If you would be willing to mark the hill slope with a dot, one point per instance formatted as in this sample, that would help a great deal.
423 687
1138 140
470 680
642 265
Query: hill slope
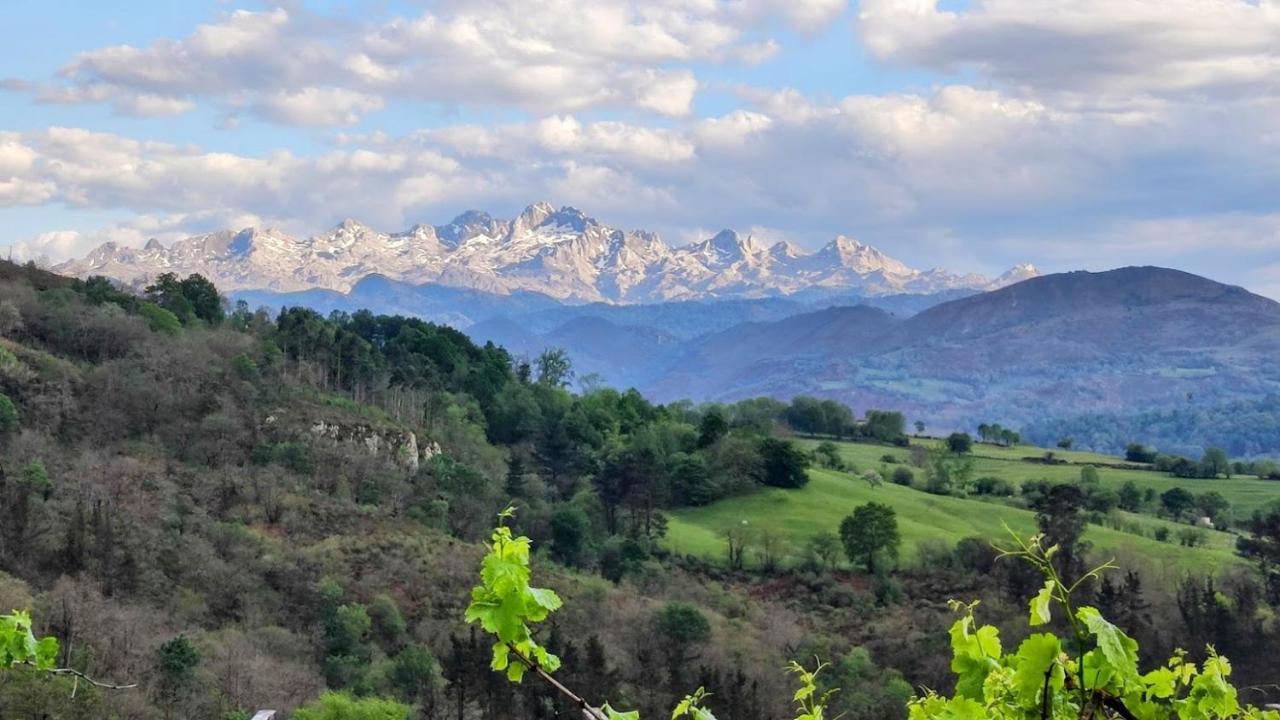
1127 341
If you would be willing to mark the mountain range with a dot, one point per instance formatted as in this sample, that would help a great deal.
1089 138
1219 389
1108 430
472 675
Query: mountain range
1138 353
1038 355
562 254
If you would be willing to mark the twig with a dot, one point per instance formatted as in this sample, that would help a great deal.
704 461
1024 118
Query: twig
588 711
81 676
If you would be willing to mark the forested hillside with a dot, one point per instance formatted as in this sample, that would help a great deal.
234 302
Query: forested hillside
237 510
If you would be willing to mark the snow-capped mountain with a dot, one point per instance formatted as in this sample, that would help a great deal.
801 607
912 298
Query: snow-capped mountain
560 253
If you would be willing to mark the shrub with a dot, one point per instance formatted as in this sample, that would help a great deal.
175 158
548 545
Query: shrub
8 415
993 486
903 476
344 706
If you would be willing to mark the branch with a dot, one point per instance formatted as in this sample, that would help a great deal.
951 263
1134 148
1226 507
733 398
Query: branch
588 712
1116 705
81 676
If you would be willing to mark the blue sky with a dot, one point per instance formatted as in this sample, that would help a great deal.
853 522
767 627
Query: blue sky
970 135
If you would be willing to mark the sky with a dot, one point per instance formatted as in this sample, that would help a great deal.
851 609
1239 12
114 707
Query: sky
964 134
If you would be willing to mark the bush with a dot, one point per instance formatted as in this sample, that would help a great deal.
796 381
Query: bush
784 464
903 476
1139 453
993 486
827 455
159 319
8 415
295 456
683 624
1192 537
934 554
976 554
344 706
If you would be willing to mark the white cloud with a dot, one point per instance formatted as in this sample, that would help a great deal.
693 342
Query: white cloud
735 128
53 246
544 56
807 15
560 137
317 106
954 172
1089 50
666 93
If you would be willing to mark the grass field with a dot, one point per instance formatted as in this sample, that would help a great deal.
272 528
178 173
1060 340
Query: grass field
793 516
1245 494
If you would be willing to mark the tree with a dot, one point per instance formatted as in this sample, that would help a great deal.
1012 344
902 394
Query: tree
206 303
1066 443
871 530
1060 515
827 455
1139 453
166 291
8 415
1214 506
919 427
570 527
712 428
554 368
1177 502
947 474
1130 496
1089 475
415 674
1263 543
785 464
176 661
825 549
959 443
680 627
691 482
885 426
1215 462
388 623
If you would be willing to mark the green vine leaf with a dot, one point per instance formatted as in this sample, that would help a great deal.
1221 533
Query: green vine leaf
18 644
504 604
1040 604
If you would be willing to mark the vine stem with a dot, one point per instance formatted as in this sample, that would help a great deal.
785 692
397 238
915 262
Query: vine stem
588 712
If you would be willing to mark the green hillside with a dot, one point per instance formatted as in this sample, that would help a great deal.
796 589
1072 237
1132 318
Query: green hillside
793 516
1245 493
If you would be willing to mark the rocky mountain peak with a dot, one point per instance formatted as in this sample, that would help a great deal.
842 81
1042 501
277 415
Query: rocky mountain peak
467 226
533 216
1016 274
562 253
